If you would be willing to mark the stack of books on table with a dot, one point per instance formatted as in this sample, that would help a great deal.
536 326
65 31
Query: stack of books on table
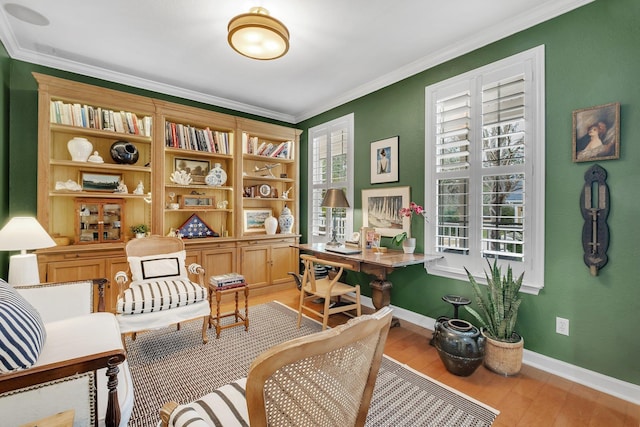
227 281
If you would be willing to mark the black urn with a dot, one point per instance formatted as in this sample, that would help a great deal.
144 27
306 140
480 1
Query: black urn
460 346
124 152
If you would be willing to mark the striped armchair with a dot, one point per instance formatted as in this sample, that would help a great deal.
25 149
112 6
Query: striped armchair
159 291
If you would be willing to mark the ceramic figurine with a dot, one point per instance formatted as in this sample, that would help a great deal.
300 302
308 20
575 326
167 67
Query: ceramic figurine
139 188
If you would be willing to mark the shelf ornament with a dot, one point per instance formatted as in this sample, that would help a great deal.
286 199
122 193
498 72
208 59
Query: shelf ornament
181 177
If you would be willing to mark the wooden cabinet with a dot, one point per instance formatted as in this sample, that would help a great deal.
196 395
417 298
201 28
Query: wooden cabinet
66 264
170 140
266 262
219 259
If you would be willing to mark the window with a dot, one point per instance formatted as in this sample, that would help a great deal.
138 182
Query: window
484 137
330 166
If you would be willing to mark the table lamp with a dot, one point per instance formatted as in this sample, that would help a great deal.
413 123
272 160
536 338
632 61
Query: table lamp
21 234
334 198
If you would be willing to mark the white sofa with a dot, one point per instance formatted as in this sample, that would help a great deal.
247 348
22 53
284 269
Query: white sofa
78 365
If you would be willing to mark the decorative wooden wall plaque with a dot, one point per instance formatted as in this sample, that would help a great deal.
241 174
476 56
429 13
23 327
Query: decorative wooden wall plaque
594 204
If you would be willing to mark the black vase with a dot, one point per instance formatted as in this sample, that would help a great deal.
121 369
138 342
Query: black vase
124 152
460 346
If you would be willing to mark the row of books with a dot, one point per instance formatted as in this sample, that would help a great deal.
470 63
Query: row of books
188 137
87 116
252 145
227 281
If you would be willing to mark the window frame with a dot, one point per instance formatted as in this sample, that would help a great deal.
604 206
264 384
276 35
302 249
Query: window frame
345 122
531 64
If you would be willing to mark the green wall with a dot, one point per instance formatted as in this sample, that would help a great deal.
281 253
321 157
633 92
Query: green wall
591 59
4 149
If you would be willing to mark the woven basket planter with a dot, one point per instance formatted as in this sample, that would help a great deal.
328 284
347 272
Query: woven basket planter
504 358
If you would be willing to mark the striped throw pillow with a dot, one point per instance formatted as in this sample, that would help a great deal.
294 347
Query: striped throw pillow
22 333
225 406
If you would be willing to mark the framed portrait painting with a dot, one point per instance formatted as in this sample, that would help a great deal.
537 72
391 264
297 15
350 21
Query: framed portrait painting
596 133
384 160
381 210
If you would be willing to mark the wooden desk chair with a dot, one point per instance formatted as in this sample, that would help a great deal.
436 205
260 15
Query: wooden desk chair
322 379
160 293
327 288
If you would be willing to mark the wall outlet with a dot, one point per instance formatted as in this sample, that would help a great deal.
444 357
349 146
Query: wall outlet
562 326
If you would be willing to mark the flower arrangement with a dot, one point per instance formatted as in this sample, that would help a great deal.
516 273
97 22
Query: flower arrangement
413 208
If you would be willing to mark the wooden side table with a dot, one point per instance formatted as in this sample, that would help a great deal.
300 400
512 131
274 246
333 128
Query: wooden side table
240 318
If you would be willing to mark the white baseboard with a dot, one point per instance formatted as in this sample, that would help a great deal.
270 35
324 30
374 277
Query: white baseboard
615 387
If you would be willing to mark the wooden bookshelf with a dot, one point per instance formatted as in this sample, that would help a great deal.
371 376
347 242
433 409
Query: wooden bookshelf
168 137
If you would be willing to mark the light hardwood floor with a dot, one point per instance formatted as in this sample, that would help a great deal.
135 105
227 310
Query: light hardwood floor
532 398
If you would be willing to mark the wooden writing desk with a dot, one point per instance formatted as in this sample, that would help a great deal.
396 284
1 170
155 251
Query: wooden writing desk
373 263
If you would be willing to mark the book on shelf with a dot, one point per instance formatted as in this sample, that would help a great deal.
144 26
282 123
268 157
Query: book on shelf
88 116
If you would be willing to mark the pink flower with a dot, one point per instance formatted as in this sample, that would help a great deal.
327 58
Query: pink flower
413 208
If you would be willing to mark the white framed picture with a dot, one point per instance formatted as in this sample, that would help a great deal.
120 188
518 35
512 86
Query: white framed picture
381 210
384 160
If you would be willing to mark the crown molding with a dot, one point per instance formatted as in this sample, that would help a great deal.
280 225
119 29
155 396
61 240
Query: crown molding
526 20
520 23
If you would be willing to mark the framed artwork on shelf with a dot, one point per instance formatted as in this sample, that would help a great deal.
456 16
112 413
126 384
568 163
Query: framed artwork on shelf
596 133
384 160
192 201
381 210
107 182
197 168
253 220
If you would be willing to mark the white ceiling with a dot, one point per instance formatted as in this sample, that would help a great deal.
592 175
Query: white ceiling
340 49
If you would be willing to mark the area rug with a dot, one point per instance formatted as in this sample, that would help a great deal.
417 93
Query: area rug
167 364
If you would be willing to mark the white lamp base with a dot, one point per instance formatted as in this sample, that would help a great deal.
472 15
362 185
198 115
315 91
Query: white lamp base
23 269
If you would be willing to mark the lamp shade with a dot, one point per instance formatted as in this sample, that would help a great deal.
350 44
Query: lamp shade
334 198
257 35
24 233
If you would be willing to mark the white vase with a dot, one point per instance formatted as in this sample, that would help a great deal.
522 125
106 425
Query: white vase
409 245
286 220
271 224
80 149
216 176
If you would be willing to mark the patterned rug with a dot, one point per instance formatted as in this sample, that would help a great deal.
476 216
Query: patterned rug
174 365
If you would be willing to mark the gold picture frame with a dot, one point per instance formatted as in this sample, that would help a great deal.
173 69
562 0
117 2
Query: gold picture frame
596 133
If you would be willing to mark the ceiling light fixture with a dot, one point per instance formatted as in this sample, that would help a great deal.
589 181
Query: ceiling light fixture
257 35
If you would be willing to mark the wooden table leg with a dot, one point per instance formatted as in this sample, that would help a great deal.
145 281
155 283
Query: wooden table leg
246 308
381 296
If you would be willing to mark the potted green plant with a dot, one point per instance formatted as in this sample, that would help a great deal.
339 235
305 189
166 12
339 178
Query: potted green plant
140 230
498 316
408 243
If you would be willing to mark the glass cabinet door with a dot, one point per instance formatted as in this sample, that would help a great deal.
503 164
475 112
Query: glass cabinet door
99 221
